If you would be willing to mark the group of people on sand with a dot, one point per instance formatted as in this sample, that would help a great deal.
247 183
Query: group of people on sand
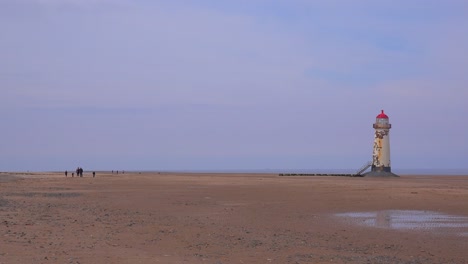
79 172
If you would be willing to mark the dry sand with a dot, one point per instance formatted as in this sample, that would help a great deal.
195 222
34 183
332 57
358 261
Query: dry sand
223 218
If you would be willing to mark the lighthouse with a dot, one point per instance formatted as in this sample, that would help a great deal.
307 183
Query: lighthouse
381 150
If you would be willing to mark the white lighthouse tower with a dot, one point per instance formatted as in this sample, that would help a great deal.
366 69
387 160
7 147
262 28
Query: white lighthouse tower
381 151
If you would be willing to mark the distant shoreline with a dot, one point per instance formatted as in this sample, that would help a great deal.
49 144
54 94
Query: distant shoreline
407 172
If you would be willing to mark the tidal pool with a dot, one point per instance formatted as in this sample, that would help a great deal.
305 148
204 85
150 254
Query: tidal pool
410 220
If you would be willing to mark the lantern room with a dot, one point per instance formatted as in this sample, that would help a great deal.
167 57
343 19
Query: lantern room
382 121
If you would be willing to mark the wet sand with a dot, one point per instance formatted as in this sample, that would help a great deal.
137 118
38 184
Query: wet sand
229 218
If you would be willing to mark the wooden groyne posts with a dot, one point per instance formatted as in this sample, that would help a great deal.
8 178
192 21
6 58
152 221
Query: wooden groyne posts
359 173
321 174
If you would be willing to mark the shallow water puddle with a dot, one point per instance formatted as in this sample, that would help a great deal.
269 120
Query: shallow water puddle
410 220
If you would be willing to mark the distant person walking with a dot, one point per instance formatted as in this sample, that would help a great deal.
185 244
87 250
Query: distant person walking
66 173
94 174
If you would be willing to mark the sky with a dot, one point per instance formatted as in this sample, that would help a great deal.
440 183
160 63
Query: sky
231 85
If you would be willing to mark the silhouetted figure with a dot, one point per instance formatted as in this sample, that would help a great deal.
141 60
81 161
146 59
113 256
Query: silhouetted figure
94 174
81 172
66 173
73 174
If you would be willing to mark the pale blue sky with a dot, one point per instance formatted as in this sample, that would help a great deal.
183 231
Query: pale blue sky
222 85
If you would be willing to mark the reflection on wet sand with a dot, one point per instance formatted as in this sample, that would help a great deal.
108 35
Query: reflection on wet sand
410 220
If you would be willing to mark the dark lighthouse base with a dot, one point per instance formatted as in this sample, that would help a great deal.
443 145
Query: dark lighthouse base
380 172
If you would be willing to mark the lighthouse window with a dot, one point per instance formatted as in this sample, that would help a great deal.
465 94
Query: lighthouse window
383 121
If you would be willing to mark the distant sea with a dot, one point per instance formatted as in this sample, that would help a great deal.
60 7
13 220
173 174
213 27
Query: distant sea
297 171
340 171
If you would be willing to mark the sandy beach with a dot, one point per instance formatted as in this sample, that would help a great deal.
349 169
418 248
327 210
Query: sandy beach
231 218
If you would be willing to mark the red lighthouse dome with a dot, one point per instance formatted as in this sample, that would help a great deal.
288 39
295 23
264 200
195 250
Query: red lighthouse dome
382 115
